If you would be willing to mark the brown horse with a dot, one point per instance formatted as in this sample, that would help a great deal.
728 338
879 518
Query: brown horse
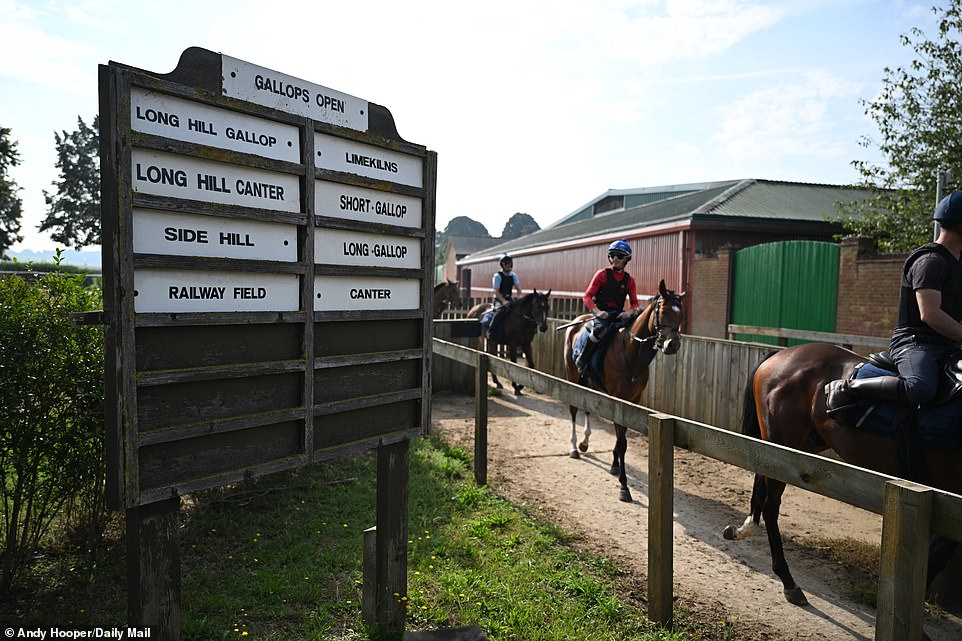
655 328
525 317
444 294
784 403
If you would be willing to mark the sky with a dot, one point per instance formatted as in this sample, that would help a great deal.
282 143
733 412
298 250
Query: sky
532 106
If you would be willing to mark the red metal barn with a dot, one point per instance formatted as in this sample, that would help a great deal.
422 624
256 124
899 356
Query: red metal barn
682 234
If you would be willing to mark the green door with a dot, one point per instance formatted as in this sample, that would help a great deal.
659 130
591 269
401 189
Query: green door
790 284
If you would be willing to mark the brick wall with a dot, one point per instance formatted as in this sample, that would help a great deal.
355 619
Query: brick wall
707 300
868 289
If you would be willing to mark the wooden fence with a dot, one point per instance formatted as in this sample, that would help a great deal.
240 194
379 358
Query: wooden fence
703 382
910 512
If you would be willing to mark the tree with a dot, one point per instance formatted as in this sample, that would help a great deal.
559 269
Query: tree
519 225
74 210
917 113
11 206
464 226
457 226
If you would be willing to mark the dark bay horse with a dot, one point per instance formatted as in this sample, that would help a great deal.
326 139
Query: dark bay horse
525 317
655 328
784 403
444 294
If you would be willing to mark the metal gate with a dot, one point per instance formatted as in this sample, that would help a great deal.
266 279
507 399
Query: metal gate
789 284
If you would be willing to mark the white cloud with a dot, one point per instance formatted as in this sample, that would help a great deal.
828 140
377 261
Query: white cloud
787 119
683 30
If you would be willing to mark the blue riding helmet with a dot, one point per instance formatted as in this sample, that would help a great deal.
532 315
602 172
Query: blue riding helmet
619 249
948 212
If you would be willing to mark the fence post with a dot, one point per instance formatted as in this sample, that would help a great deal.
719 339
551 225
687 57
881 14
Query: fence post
906 521
391 536
153 568
661 483
481 419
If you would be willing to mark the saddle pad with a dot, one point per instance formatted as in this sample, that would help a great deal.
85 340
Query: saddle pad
579 345
938 426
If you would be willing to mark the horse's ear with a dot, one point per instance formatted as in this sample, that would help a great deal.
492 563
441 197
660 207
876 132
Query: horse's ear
661 288
548 294
681 296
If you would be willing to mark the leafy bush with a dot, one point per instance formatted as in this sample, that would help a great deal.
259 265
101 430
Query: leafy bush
51 416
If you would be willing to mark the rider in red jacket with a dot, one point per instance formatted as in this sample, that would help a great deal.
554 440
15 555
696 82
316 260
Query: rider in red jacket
605 297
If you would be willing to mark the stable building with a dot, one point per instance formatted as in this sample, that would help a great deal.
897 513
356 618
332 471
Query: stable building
688 235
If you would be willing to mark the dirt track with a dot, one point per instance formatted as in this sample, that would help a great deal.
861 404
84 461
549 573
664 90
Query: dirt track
528 461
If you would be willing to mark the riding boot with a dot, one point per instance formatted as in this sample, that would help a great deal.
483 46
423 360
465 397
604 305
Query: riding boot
584 358
843 392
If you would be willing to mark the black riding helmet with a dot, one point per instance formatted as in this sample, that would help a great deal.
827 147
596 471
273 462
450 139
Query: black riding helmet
948 213
505 258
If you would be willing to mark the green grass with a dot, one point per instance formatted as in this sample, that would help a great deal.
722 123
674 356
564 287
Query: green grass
859 560
279 558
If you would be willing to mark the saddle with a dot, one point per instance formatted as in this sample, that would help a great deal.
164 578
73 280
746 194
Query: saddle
596 364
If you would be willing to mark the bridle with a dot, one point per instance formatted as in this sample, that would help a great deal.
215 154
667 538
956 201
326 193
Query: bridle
536 301
657 339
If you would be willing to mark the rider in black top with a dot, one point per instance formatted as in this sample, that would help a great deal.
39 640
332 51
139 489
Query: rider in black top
928 329
504 282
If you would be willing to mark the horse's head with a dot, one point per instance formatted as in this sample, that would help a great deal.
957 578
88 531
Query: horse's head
662 319
534 306
444 294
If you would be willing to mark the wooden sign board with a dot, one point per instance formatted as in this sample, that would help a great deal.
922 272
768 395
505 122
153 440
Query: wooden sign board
268 270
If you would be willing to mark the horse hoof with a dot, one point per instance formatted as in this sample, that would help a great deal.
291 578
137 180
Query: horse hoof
795 596
729 533
625 495
517 391
574 454
583 446
614 470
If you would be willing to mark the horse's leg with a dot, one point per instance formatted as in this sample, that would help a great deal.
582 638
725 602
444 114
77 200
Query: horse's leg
583 446
513 352
753 520
770 509
574 432
941 550
493 350
618 464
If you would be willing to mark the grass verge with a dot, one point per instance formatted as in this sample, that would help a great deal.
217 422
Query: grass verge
279 558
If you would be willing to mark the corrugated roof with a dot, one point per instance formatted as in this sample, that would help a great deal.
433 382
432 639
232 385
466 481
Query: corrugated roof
752 199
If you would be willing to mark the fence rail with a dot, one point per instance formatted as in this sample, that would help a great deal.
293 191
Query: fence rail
784 334
901 584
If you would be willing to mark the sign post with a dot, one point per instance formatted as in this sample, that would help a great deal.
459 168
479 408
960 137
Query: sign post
268 269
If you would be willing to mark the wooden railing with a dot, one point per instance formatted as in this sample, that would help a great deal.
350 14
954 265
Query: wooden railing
910 512
783 335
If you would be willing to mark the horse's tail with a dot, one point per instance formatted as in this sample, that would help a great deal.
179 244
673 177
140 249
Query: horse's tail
750 425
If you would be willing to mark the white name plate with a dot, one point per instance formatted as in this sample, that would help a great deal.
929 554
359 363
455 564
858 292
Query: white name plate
343 293
277 90
175 234
159 290
163 174
367 205
340 247
340 154
172 117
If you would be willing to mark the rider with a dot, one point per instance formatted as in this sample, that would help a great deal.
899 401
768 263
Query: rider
504 282
605 298
928 329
